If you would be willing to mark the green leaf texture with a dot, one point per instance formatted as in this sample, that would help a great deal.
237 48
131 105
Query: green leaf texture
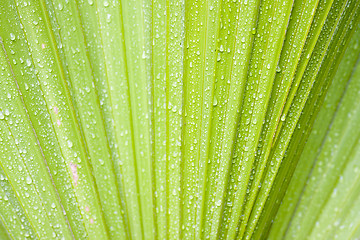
164 119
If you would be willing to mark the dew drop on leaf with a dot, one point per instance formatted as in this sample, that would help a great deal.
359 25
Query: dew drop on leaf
28 180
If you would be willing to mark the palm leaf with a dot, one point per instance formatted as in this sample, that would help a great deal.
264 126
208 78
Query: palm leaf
190 119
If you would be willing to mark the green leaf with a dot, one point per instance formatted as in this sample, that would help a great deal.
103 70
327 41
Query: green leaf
3 232
87 108
311 85
163 119
31 51
12 213
334 110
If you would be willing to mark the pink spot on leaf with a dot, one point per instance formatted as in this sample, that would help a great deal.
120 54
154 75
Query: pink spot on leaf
75 175
91 220
43 45
58 122
56 110
87 208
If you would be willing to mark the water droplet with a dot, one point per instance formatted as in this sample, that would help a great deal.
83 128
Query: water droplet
12 36
283 117
101 162
70 144
106 3
28 180
2 115
108 18
215 102
90 2
53 205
